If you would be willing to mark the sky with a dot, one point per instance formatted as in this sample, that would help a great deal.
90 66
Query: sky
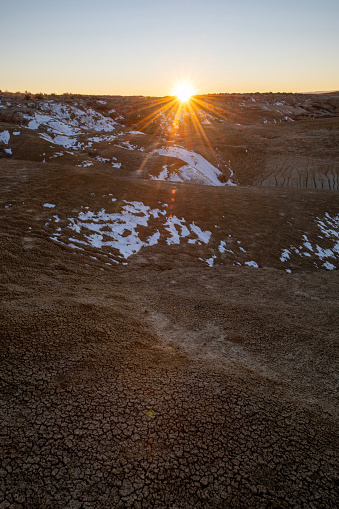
144 47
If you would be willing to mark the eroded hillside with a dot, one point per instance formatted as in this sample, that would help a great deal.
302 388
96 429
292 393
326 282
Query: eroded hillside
284 140
233 145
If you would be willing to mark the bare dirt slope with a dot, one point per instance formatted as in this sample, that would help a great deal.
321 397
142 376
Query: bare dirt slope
284 140
164 343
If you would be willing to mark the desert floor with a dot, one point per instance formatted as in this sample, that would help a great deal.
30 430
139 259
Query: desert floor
183 375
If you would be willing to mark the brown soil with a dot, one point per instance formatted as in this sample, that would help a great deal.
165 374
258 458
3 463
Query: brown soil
165 382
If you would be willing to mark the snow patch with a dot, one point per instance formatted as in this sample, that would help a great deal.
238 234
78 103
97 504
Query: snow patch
329 228
4 137
285 255
162 175
209 261
182 230
204 236
201 166
121 230
329 266
252 264
64 141
85 164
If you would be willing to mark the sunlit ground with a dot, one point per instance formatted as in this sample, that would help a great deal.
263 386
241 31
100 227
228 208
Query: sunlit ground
181 113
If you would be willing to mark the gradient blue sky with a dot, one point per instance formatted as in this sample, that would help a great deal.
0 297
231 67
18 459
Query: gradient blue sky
142 47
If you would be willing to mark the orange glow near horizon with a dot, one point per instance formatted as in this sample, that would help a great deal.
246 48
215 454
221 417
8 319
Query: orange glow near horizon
184 91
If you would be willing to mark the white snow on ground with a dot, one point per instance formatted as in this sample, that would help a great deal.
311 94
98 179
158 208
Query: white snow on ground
64 141
162 175
113 227
123 231
329 226
252 264
4 137
56 154
199 164
102 159
85 164
209 261
54 125
99 139
64 123
285 255
229 181
117 230
89 119
170 226
189 174
328 248
238 252
307 244
117 234
127 145
329 266
154 239
120 230
96 139
184 174
33 124
204 236
8 151
222 246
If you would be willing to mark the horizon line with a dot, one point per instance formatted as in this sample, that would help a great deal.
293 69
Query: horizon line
166 95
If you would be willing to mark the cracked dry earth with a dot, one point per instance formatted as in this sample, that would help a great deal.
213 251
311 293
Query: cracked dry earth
163 383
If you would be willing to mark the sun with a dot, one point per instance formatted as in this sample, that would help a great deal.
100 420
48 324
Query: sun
184 91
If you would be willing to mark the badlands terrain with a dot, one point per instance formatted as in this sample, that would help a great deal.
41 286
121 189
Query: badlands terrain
169 319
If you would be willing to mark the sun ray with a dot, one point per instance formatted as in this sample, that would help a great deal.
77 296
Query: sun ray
175 118
212 109
154 115
198 125
184 91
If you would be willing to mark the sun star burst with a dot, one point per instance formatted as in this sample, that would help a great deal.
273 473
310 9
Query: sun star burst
184 91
